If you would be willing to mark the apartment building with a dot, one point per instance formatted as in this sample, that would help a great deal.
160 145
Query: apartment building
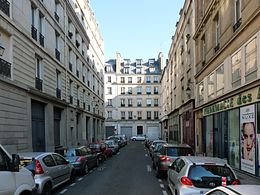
227 73
51 75
132 96
178 81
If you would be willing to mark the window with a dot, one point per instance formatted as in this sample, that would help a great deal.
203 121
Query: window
139 90
38 70
109 102
211 86
138 70
122 90
56 15
156 115
109 79
148 90
149 102
71 87
155 90
148 79
130 102
59 160
217 32
139 114
78 95
126 70
109 68
236 69
129 90
156 102
155 79
129 79
237 10
109 90
57 52
109 114
220 80
4 161
201 92
139 102
48 161
139 79
41 17
149 115
58 84
250 60
122 115
122 79
122 102
203 49
33 28
130 115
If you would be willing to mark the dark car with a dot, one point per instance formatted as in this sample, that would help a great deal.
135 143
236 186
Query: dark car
82 158
102 150
166 154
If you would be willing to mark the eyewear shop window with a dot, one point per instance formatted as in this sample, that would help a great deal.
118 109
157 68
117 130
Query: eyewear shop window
232 135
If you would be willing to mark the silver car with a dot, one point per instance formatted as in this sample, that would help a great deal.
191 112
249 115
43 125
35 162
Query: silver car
50 170
194 175
235 190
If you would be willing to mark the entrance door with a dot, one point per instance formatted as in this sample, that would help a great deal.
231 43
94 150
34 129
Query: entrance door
139 130
38 126
57 118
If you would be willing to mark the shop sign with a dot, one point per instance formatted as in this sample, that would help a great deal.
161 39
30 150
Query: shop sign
241 99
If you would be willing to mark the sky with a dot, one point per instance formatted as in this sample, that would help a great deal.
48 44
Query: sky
136 28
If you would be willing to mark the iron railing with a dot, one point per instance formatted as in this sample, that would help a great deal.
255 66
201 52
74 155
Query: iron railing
34 33
58 93
38 83
5 68
5 7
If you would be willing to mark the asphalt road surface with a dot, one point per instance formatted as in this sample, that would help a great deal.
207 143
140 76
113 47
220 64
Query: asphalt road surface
127 173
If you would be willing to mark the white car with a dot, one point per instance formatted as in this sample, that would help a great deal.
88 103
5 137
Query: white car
235 190
14 179
138 138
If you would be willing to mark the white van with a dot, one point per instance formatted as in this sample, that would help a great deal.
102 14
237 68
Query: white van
15 180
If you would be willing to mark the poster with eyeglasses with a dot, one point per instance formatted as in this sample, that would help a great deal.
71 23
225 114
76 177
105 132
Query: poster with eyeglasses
247 138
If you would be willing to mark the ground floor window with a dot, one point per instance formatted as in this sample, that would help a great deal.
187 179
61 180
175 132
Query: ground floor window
209 135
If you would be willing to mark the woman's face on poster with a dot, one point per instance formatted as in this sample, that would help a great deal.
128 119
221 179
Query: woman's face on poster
249 136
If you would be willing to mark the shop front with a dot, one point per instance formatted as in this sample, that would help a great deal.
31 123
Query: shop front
230 130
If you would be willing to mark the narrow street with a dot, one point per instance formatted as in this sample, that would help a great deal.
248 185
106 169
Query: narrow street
129 173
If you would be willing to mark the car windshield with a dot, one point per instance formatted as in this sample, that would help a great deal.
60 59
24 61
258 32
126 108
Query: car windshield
173 151
210 176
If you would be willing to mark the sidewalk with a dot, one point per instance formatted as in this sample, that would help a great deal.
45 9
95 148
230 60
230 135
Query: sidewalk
246 178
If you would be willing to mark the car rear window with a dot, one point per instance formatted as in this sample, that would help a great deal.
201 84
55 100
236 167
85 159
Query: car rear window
210 176
28 163
179 151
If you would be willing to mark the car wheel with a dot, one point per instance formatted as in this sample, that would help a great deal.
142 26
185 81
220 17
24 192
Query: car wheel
46 189
85 170
134 139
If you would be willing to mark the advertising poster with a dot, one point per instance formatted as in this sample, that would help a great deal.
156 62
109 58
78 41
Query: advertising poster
248 138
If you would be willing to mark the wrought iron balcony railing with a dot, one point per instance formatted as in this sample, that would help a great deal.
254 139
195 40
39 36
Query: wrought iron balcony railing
5 7
58 93
34 33
41 40
38 83
71 99
5 68
57 54
57 18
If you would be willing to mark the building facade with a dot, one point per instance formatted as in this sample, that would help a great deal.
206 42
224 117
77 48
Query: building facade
227 73
178 81
51 75
132 96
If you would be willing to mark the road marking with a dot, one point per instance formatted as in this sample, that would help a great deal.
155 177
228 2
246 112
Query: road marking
73 184
146 155
144 149
161 185
90 171
159 180
63 191
148 168
118 153
164 192
79 179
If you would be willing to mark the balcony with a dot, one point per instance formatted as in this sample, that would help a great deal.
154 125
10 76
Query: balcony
5 7
130 105
139 93
70 66
216 48
83 79
237 25
84 105
155 105
71 99
38 83
5 68
41 40
57 54
139 105
70 34
155 92
56 16
130 117
77 72
122 118
78 102
34 32
77 44
139 118
58 93
122 105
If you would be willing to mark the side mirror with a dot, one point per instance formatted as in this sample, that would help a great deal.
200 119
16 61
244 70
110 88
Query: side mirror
15 163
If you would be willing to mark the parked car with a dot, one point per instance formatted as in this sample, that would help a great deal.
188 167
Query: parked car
167 154
112 145
197 175
102 150
82 159
153 145
50 169
118 140
14 179
138 137
122 139
235 190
